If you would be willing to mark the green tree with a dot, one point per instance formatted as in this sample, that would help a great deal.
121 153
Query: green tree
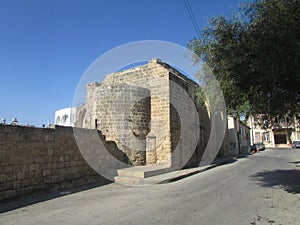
255 56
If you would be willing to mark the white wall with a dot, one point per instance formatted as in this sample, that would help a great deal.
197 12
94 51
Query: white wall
65 117
238 137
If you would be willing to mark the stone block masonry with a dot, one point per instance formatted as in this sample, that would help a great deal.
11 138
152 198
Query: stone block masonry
39 160
134 109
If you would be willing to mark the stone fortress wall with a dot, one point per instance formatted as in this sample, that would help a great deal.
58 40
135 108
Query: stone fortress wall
40 159
133 114
133 108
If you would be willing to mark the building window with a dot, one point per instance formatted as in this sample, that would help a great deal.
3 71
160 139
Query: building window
266 136
64 119
257 137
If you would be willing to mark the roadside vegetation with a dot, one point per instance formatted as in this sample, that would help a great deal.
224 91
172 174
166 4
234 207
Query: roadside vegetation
255 55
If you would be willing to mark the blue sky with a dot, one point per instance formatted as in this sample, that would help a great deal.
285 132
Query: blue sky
46 46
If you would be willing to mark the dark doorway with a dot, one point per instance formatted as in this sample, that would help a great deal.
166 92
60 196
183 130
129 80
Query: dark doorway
280 138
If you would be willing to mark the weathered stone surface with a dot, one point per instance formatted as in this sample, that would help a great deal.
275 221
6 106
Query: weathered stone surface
143 96
137 122
36 159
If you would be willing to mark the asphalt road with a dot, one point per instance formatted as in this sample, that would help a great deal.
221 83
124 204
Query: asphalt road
263 188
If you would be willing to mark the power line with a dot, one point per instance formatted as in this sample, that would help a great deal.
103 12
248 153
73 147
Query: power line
192 16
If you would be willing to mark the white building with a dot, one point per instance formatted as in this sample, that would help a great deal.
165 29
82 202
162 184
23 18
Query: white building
281 134
238 137
66 116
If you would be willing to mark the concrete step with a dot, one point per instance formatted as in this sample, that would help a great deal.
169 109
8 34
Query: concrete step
143 171
128 180
145 175
138 174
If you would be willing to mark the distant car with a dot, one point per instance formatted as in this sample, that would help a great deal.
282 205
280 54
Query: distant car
259 146
296 144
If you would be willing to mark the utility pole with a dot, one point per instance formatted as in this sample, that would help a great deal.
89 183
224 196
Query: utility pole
251 126
238 134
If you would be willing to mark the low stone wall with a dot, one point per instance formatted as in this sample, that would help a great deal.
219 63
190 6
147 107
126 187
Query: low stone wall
39 159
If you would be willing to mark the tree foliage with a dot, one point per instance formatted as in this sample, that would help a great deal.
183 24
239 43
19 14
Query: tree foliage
255 55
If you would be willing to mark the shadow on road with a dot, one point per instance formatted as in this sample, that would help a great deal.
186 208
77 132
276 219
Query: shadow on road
296 162
41 197
289 180
217 162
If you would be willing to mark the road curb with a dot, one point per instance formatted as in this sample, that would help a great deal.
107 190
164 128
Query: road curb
192 171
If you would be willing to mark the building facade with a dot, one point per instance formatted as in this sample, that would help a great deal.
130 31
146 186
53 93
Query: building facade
138 109
66 116
238 137
281 134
